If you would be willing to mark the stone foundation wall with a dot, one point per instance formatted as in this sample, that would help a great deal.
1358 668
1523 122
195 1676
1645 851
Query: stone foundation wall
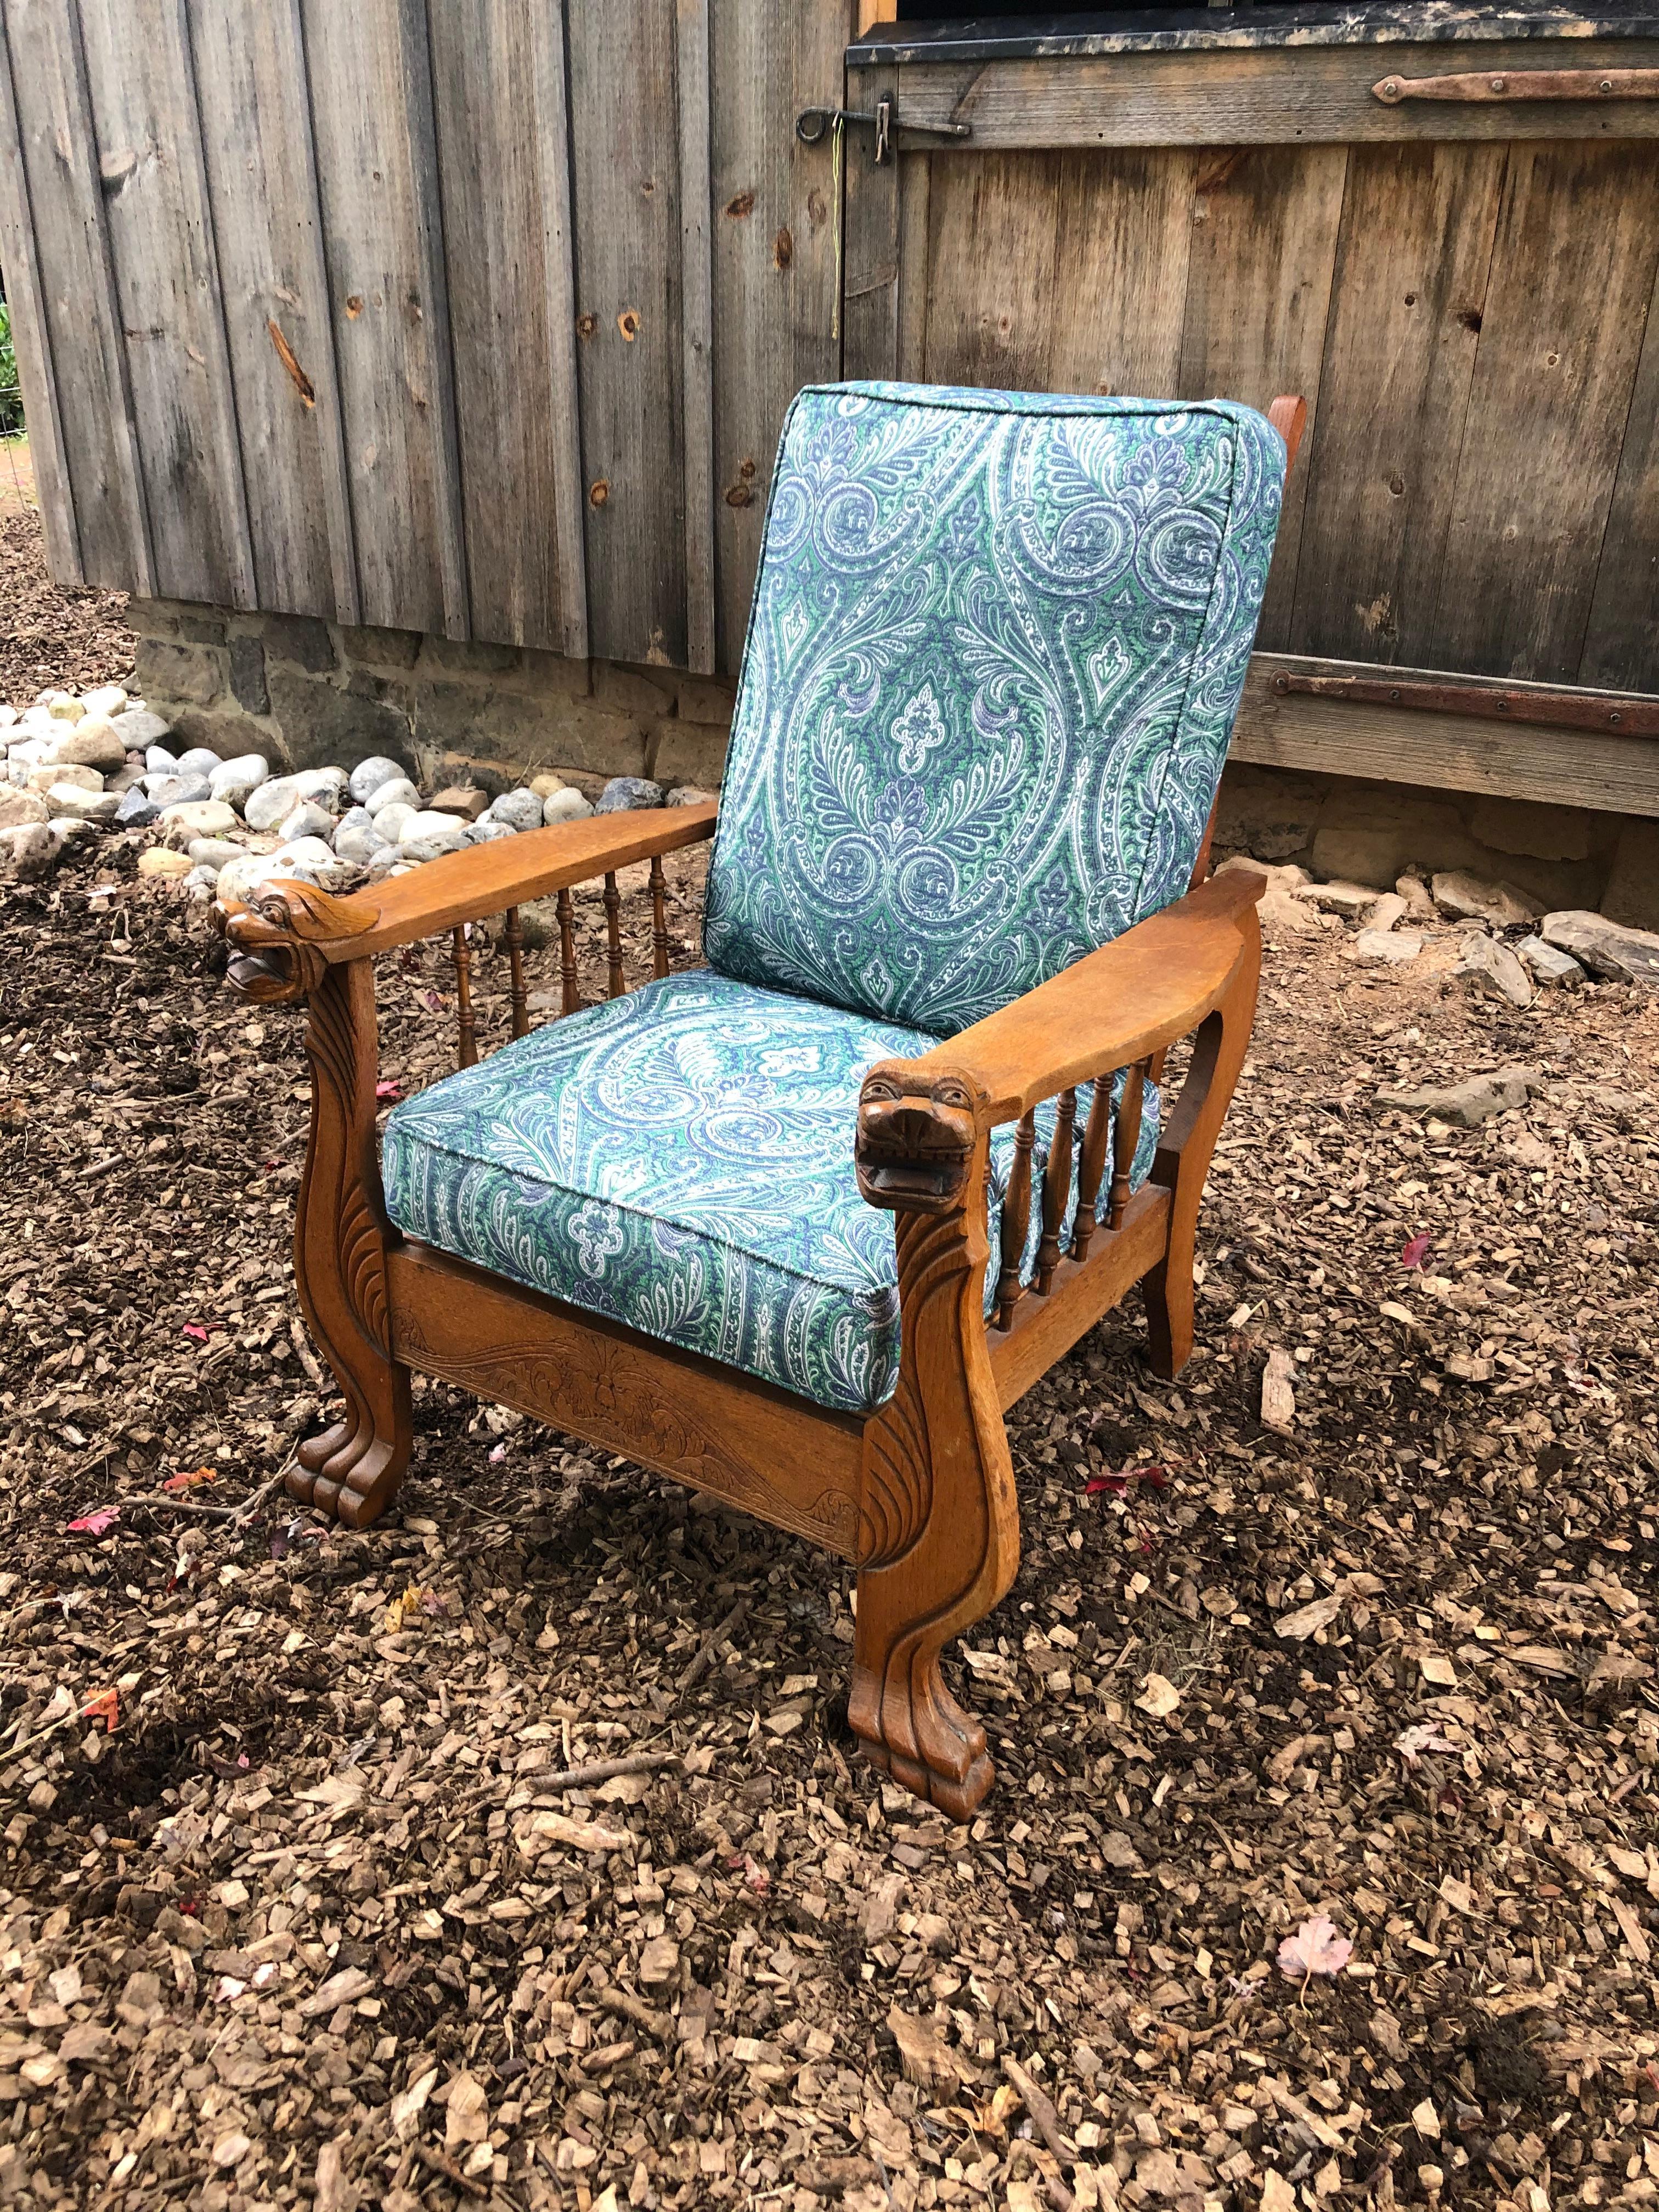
311 694
1346 830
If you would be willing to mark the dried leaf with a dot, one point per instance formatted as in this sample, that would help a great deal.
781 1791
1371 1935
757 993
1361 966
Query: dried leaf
1417 1251
97 1522
177 1484
1316 1947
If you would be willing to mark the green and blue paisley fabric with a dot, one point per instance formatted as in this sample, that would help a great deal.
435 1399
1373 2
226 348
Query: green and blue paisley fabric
681 1160
996 648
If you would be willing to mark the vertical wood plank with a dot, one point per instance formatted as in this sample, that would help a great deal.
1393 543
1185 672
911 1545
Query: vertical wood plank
698 330
915 235
775 272
37 370
1258 288
495 143
1119 291
992 225
1621 646
559 273
870 218
1572 272
369 81
261 182
1409 291
142 81
626 166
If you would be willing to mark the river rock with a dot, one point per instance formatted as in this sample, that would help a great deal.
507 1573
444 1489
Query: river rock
213 853
1549 968
235 780
1488 970
566 805
158 760
1468 1103
625 793
93 742
390 822
689 794
519 810
397 791
7 715
85 779
1469 898
487 832
427 835
61 706
197 817
307 819
20 809
200 760
142 731
370 775
1606 948
176 790
73 803
136 810
34 848
108 700
162 860
544 783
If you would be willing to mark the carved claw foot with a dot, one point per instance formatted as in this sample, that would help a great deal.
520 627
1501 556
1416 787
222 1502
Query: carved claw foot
350 1471
922 1738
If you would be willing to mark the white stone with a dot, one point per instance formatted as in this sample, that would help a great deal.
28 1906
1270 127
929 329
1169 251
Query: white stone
390 821
398 791
139 728
566 805
327 785
213 853
238 877
690 794
33 847
93 742
196 818
425 836
158 760
370 775
70 801
20 808
200 760
487 832
307 819
518 810
310 860
110 699
201 882
84 779
7 715
234 780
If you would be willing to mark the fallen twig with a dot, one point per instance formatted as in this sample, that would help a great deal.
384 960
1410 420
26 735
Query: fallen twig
1044 2118
606 1770
710 1644
630 2008
307 1358
437 2161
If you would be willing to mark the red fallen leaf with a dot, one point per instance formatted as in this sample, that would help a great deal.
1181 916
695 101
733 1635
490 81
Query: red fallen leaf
103 1707
176 1483
1417 1251
96 1523
1155 1478
191 1908
196 1332
389 1089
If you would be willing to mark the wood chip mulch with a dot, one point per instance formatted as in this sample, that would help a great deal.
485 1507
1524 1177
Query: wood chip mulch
67 639
515 1852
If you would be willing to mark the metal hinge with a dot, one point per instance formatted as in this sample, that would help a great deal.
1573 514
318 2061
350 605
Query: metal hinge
813 125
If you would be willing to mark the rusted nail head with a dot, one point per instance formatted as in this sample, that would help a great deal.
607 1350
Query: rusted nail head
1500 84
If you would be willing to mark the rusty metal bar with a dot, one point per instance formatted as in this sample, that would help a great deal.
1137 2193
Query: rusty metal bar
1523 84
1627 715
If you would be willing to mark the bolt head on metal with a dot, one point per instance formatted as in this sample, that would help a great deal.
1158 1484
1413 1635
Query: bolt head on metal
1499 84
1606 85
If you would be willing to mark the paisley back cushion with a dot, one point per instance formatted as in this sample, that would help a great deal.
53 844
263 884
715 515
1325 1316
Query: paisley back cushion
995 650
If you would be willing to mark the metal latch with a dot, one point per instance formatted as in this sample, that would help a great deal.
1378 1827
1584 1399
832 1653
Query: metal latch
813 125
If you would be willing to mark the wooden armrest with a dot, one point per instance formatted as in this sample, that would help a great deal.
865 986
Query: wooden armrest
1149 987
297 919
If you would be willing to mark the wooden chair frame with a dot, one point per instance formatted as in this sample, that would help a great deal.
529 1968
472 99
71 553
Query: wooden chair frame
919 1496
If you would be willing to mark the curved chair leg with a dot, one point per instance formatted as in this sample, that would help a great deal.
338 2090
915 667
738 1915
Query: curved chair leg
353 1469
938 1527
1186 1148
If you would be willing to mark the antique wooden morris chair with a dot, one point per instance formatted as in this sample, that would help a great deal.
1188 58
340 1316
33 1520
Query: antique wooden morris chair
736 1223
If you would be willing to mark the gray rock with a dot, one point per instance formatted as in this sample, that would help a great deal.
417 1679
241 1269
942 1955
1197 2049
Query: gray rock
1466 897
369 774
176 790
1350 900
1393 947
233 779
1549 968
390 821
1606 948
307 819
1489 970
213 852
202 882
517 810
567 806
1469 1103
197 818
124 779
200 760
625 793
396 791
74 803
690 794
487 832
274 801
136 810
159 761
139 728
357 840
21 809
425 836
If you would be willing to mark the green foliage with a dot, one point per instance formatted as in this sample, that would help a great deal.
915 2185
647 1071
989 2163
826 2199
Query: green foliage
11 399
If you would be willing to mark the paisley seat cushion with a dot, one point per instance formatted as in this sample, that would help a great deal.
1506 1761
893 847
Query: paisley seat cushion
996 648
681 1160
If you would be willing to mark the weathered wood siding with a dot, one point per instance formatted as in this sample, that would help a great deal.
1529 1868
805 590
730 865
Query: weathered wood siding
475 317
1463 293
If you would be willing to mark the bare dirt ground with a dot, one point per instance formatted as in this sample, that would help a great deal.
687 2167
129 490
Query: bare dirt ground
303 1927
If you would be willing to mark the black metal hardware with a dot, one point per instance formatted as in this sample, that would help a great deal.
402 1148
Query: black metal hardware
814 124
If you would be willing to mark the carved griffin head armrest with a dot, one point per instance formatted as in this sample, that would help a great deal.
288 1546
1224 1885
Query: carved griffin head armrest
916 1136
279 932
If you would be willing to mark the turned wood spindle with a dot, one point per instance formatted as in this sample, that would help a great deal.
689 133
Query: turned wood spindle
467 1049
659 918
1126 1137
572 999
515 937
613 934
1056 1189
1096 1137
1016 1222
